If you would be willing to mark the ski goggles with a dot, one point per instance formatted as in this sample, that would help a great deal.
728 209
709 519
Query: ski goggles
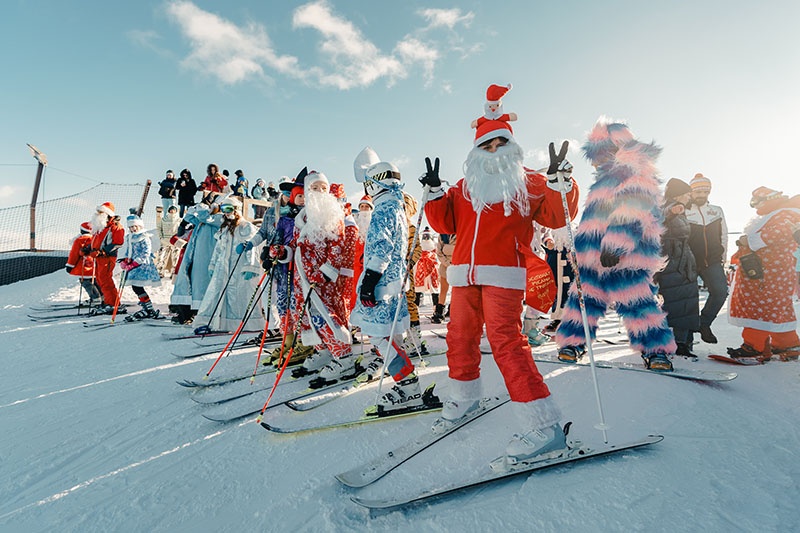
227 208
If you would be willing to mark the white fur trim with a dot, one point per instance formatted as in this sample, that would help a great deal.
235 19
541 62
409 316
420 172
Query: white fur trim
329 271
556 185
763 326
489 135
538 414
348 272
435 193
495 276
461 391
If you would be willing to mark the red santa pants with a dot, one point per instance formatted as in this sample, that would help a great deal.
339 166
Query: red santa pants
501 310
104 274
758 339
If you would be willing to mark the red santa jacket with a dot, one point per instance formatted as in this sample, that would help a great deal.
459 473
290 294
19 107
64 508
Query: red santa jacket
82 264
491 247
106 241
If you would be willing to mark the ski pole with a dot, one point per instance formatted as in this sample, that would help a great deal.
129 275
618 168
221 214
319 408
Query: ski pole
80 294
123 279
425 193
247 313
266 323
205 330
581 303
289 355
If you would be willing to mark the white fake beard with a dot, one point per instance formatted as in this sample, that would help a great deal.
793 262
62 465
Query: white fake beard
427 245
324 217
363 219
99 221
496 177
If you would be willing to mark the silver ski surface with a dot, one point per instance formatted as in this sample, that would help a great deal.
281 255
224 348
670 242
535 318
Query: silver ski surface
222 380
354 422
372 471
679 373
243 406
576 454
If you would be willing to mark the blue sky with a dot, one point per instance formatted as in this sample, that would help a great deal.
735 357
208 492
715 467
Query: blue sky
122 91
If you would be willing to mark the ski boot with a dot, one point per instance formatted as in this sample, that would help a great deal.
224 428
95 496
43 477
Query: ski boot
571 354
313 364
107 310
658 362
414 340
535 336
706 335
551 328
337 369
372 372
438 314
405 396
745 351
146 311
299 354
787 354
535 445
454 412
684 350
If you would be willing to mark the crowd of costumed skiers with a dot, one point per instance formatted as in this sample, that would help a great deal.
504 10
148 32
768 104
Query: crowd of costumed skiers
502 241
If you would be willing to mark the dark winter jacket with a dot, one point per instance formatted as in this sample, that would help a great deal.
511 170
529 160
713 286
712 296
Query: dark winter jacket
677 282
709 234
167 189
186 188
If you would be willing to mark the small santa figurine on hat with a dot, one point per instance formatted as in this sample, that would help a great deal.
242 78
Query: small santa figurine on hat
493 108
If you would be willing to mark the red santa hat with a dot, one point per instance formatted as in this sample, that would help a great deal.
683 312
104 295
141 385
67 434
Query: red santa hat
366 199
491 129
764 194
495 93
107 208
86 227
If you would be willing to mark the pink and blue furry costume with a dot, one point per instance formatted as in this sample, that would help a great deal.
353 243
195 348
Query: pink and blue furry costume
621 216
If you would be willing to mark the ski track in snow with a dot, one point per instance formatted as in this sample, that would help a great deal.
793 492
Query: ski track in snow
97 436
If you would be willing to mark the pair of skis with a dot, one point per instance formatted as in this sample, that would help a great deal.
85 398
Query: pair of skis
372 471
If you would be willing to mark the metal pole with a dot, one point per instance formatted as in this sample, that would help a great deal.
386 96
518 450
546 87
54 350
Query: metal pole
42 159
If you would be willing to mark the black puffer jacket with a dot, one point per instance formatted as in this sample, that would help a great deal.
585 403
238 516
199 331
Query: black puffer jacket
677 282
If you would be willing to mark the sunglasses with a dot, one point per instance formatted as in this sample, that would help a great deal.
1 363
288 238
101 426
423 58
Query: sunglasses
227 208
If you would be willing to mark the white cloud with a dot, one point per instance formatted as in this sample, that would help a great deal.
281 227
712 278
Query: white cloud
221 48
7 191
234 54
447 18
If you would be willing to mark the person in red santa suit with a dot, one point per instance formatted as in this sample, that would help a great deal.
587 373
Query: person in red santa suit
761 301
319 257
426 271
492 210
81 263
107 236
362 218
351 237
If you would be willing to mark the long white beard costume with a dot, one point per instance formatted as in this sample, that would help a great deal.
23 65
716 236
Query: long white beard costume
363 219
99 221
496 177
324 217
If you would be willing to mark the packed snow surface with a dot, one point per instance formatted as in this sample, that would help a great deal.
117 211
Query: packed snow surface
97 436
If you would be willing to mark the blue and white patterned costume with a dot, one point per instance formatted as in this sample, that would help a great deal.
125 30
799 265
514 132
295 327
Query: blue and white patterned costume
191 281
139 247
385 252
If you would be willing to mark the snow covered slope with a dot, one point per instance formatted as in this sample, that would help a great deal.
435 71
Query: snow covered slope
95 435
